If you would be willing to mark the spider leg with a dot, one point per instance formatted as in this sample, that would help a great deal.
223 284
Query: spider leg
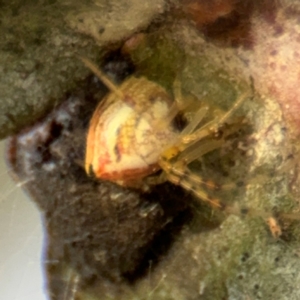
197 150
181 176
192 151
185 178
236 105
199 115
108 83
195 183
211 127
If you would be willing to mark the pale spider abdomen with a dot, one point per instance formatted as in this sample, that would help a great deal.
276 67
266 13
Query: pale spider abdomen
124 139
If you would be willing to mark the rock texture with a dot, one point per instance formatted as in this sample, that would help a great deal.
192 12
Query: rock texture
106 242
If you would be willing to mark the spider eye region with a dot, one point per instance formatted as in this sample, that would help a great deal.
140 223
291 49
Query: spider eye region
123 143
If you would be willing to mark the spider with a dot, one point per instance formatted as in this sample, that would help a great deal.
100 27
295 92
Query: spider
132 135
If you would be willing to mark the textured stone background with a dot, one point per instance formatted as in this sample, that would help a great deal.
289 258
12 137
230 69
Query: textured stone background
211 256
39 45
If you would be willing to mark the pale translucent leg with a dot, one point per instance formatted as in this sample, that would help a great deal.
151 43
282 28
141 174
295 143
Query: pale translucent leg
198 150
197 119
189 145
212 126
192 151
108 83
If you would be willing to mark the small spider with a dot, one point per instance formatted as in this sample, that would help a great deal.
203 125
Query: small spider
132 135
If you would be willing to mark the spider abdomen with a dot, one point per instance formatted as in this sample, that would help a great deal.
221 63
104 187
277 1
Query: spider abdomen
124 139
